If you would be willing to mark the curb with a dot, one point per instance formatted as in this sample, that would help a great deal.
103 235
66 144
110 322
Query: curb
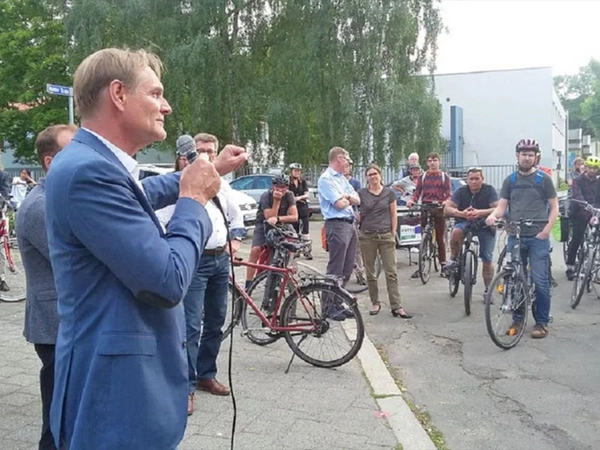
405 426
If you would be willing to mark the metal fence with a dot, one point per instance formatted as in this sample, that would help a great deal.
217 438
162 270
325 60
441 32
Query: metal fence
493 174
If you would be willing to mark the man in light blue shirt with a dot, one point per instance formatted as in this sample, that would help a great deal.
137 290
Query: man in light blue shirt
336 197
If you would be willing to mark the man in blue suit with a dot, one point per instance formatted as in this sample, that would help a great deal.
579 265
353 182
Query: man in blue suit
41 318
121 368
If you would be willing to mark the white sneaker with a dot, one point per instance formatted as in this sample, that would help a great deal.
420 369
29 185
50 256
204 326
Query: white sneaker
414 249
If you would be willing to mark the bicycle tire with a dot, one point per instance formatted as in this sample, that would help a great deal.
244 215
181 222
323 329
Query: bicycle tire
252 326
426 254
235 301
317 312
582 276
14 273
508 284
453 282
501 258
468 281
454 277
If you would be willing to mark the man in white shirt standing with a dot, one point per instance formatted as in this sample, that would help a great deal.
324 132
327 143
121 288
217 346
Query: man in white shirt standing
206 314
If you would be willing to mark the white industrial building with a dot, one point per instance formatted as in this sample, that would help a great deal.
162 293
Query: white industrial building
498 108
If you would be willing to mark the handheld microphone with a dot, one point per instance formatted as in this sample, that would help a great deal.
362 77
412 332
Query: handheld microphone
186 146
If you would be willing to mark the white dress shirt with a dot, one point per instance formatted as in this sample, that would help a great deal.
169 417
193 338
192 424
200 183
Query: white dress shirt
233 213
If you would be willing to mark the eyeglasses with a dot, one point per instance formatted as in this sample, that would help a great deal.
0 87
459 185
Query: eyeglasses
474 169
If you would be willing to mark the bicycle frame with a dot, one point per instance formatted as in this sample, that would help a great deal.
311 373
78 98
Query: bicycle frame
271 323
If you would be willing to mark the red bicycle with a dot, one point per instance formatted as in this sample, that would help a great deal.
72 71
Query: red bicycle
12 274
319 320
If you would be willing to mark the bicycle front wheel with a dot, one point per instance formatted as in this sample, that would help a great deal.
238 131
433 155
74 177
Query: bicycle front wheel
506 308
426 255
469 266
14 272
264 291
330 328
234 310
583 276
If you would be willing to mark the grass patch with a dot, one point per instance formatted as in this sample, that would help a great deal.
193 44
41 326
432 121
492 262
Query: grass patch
398 446
422 415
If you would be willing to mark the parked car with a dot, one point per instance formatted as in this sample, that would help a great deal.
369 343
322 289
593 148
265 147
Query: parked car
255 185
454 182
247 204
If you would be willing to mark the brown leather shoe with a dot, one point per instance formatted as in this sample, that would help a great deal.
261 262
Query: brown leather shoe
212 386
190 404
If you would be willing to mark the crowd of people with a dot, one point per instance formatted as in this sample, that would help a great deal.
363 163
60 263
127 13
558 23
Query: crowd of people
128 328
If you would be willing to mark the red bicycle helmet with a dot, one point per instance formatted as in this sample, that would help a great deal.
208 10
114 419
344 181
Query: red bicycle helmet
528 145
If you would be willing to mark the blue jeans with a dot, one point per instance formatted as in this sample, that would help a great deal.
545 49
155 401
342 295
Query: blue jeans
537 253
487 240
206 314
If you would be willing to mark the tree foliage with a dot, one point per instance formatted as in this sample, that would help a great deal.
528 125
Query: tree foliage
580 95
32 53
301 75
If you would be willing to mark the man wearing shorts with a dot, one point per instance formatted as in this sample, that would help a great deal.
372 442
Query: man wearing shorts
473 203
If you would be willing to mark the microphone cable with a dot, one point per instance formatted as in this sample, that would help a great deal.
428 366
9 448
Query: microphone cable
217 203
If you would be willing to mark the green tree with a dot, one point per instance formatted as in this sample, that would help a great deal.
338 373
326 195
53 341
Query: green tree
577 92
32 53
299 75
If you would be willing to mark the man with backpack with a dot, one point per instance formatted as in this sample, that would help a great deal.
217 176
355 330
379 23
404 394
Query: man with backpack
530 195
434 187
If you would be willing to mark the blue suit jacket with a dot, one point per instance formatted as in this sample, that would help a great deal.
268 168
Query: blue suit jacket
121 368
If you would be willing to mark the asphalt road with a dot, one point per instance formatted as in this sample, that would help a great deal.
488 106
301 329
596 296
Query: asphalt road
540 394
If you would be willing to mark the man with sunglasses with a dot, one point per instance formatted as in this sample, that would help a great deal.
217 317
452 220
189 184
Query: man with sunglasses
473 203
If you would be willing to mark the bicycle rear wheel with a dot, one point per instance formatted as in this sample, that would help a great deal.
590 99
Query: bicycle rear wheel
264 291
506 302
234 309
469 266
582 277
454 277
331 329
426 255
14 272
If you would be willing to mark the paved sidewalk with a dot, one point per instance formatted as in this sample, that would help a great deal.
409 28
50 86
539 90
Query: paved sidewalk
309 408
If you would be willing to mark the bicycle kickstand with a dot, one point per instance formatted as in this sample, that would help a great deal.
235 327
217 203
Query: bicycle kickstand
287 370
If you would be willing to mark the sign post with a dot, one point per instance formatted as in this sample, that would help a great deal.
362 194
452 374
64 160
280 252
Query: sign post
64 91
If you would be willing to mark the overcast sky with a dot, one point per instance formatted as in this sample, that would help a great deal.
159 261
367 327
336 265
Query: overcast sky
510 34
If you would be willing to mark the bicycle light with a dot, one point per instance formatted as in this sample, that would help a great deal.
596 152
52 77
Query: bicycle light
594 221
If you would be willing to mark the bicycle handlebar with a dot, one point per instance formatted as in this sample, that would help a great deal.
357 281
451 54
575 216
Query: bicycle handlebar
500 223
587 206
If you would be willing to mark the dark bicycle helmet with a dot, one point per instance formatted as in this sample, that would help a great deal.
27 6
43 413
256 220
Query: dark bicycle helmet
273 237
295 166
280 180
528 145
